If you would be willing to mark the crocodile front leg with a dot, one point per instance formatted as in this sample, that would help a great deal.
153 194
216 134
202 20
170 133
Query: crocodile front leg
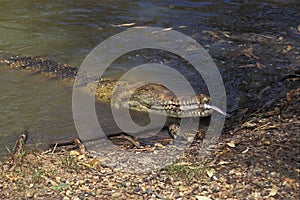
175 133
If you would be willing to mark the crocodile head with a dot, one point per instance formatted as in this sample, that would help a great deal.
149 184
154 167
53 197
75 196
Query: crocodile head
151 97
156 98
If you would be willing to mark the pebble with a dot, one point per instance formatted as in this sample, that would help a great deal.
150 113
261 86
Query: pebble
149 191
215 189
159 196
116 194
137 189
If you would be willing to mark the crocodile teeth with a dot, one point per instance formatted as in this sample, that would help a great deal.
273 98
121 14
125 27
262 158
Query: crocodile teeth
183 101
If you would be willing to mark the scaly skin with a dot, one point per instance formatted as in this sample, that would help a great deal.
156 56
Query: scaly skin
134 95
150 97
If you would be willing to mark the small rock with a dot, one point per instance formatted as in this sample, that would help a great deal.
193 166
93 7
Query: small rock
159 196
149 191
98 191
137 189
273 174
215 189
116 194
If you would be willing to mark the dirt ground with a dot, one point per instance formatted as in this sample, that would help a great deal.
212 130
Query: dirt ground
256 158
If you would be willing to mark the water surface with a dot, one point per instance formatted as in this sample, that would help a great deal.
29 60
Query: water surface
66 31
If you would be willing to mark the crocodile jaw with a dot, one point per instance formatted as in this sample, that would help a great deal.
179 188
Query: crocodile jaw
153 98
198 106
158 99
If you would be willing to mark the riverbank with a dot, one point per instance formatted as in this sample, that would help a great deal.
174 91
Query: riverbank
255 159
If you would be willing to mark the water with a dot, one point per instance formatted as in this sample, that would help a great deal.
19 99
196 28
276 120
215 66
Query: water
67 31
34 103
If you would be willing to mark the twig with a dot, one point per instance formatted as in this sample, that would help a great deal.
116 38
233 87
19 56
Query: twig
128 138
18 148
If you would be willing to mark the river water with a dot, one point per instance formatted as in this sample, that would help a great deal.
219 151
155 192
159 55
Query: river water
67 31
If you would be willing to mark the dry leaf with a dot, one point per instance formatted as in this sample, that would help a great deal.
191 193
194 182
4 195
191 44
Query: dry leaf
202 197
81 157
210 173
95 162
246 150
74 153
182 164
182 188
165 29
231 144
289 181
289 47
223 162
273 191
122 25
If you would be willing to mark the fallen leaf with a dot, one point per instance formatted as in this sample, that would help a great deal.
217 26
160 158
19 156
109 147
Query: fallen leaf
95 162
210 173
74 153
267 142
273 191
231 144
80 157
289 181
182 164
289 47
122 25
182 188
246 150
202 197
223 162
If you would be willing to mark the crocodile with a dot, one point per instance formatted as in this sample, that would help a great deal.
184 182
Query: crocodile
149 97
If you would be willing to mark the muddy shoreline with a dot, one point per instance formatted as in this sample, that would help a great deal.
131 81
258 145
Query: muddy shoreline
258 159
257 48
